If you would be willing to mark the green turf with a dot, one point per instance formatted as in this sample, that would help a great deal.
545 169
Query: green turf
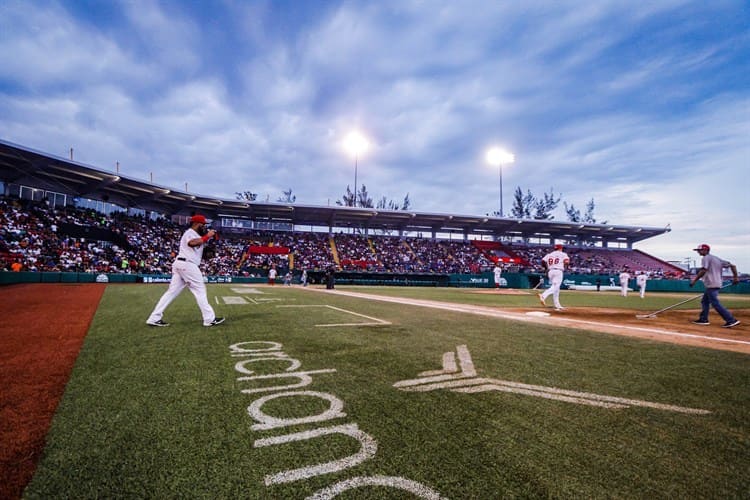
159 412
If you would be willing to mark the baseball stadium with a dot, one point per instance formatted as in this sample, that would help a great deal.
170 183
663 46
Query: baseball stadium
362 353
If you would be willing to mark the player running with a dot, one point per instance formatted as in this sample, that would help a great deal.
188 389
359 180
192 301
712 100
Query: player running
556 262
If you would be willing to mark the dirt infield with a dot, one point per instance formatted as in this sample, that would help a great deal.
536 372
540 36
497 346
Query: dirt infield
43 329
673 326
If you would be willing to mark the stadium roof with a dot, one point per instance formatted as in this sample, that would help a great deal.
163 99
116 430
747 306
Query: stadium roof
27 167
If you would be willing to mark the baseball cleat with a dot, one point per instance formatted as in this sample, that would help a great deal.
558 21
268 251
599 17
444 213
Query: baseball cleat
730 324
157 323
561 308
216 321
541 299
701 322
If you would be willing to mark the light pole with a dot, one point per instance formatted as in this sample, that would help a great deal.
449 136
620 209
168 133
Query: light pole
498 157
356 144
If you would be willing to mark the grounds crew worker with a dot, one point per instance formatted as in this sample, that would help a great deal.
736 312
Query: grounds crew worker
186 273
710 273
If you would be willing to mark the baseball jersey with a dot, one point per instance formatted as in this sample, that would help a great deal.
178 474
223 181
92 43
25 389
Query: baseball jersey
641 279
191 254
624 277
556 260
498 272
713 266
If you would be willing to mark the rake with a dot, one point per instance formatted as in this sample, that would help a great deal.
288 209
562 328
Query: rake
655 313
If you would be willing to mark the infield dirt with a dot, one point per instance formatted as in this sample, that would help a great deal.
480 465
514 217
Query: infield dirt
672 326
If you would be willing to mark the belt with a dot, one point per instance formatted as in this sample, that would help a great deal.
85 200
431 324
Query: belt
181 258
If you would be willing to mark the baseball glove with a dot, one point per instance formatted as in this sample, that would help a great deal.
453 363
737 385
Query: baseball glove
209 252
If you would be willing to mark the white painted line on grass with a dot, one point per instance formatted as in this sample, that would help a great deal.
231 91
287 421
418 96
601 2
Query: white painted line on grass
246 290
233 300
373 321
466 381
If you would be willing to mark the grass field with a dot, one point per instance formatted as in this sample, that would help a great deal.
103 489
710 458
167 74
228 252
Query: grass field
400 402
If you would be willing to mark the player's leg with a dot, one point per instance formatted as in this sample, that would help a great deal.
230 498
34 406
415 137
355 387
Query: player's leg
543 296
195 284
556 279
705 304
176 285
713 298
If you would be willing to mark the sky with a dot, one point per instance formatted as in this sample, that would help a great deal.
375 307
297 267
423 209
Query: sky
643 107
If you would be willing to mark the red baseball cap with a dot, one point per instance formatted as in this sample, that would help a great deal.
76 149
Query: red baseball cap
558 246
702 246
197 218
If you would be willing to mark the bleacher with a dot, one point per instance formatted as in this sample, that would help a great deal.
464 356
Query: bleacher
30 234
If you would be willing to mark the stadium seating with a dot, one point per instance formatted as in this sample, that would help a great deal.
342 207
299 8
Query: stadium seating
43 238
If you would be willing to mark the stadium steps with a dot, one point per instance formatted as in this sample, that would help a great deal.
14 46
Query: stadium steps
335 253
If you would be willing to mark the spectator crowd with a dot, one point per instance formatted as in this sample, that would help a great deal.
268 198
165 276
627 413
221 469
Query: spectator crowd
38 237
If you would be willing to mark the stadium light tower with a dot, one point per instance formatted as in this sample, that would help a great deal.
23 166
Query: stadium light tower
355 144
498 157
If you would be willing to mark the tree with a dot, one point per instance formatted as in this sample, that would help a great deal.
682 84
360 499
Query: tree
589 216
406 205
348 198
287 197
522 204
246 196
363 198
574 215
386 204
543 207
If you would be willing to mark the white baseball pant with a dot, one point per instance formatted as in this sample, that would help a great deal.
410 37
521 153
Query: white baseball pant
555 280
185 274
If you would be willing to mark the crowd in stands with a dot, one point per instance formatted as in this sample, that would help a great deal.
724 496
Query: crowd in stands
32 239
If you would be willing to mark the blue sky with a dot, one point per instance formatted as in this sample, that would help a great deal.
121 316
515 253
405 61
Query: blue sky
643 106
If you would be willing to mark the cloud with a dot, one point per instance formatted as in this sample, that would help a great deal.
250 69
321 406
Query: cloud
640 107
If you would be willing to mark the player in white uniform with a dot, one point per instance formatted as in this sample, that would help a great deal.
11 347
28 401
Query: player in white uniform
556 262
498 272
641 280
186 273
624 280
272 275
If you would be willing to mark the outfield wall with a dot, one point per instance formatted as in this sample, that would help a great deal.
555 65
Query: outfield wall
481 280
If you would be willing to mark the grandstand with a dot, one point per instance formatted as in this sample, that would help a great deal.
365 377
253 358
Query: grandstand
59 215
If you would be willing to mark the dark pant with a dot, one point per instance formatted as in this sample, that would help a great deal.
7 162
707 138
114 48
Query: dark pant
711 298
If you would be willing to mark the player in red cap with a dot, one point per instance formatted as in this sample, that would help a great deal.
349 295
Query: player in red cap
555 262
186 273
710 273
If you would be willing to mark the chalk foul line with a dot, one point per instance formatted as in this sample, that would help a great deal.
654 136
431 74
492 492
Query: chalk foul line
495 313
459 375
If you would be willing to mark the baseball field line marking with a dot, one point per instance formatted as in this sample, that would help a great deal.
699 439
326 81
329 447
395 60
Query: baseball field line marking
373 321
467 382
246 290
233 300
479 310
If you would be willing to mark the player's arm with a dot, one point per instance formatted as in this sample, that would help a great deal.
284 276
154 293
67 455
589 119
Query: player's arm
200 240
698 276
735 277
